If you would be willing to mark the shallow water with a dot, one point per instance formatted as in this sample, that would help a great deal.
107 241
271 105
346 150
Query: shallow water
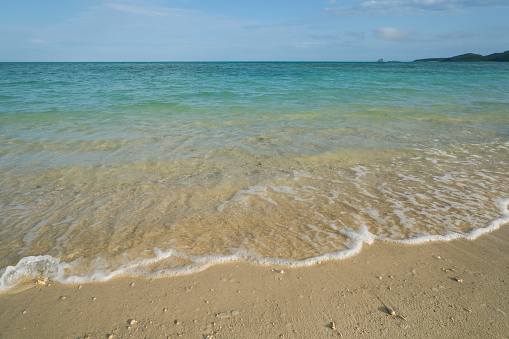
160 169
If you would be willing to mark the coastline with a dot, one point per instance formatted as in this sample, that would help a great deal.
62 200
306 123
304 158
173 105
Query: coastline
447 289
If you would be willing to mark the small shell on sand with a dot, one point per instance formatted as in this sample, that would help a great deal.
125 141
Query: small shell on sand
390 311
131 321
458 279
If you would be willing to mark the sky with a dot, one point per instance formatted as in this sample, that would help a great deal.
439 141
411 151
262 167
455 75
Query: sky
249 30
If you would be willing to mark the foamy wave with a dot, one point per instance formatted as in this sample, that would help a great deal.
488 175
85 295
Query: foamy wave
46 267
471 235
30 268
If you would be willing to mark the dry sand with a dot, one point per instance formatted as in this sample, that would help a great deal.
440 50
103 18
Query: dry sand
443 289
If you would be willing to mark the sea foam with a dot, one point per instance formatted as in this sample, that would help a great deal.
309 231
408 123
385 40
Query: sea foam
46 267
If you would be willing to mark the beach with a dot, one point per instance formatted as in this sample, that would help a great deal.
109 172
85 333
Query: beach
441 289
256 200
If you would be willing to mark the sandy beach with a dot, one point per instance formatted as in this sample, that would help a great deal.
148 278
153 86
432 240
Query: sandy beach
442 289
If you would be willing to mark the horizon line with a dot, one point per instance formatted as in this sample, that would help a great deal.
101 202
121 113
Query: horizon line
209 61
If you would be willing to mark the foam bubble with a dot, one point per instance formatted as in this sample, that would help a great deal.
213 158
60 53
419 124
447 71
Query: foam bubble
244 195
471 235
29 268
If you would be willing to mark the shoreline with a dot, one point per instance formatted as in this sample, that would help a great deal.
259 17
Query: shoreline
448 289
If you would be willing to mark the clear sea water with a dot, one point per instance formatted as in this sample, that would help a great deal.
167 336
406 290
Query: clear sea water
167 168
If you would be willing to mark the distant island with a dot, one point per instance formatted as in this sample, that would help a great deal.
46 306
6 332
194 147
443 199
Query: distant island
471 57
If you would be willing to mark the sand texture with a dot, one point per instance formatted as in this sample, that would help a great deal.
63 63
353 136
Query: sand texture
436 290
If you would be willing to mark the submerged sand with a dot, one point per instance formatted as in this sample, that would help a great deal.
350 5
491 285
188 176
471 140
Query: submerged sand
449 289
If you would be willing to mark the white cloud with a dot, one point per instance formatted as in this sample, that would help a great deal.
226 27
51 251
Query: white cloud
394 34
304 44
409 7
307 44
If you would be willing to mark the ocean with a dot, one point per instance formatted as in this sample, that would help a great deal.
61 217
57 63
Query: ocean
157 169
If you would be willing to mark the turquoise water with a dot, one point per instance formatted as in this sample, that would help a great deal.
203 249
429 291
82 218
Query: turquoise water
168 168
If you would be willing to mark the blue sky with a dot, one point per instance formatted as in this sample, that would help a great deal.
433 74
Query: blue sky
261 30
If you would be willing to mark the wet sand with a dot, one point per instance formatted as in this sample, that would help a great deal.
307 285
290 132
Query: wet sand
442 289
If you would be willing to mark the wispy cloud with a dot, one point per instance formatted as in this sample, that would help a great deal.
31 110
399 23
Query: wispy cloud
136 9
409 7
306 44
146 30
394 34
355 35
457 35
146 9
324 37
38 41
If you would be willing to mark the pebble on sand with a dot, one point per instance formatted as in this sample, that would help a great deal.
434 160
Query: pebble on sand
41 282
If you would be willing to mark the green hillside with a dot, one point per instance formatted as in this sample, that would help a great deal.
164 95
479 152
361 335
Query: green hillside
471 57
